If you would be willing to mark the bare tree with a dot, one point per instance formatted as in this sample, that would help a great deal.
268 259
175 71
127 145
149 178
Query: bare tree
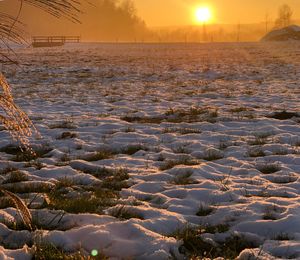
238 34
285 14
267 21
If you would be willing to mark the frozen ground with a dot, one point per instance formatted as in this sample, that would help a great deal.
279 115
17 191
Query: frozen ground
157 151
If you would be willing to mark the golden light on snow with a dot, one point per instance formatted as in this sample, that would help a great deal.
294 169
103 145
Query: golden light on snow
203 14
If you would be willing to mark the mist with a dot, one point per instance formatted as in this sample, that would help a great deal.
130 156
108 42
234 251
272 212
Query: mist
103 20
119 21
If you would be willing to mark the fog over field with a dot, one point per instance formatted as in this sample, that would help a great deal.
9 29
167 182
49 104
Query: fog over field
121 21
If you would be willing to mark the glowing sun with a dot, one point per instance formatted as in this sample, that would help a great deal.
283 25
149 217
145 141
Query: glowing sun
203 14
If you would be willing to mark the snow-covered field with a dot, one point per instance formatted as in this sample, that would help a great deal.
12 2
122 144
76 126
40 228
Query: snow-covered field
157 151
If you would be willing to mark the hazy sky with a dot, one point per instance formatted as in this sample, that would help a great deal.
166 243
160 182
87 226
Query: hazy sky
180 12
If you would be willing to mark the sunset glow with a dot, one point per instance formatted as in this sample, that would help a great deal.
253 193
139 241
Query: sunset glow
149 129
203 15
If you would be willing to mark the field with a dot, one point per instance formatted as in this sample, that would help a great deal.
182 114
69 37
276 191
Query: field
156 151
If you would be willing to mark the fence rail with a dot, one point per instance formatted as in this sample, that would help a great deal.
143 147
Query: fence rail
53 41
62 39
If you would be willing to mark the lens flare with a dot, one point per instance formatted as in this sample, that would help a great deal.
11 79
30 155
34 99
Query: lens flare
94 252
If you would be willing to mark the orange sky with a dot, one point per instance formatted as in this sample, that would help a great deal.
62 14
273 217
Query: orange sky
100 23
180 12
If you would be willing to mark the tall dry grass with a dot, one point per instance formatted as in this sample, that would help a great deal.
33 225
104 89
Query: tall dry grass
13 118
21 207
58 8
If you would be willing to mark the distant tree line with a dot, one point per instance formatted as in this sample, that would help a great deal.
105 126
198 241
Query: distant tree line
113 20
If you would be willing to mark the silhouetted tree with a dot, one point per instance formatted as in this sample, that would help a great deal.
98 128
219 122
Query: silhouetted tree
267 21
285 14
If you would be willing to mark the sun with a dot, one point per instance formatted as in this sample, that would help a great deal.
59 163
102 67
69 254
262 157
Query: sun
203 14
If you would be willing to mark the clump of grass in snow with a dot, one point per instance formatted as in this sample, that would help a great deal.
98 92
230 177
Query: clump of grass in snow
193 114
184 178
283 237
169 164
212 155
66 124
67 135
204 210
28 187
269 168
258 141
283 115
90 199
281 151
224 181
132 149
129 130
194 246
238 109
105 172
183 131
65 182
256 152
260 138
142 120
99 155
36 164
82 204
223 144
296 143
124 212
16 176
93 200
285 179
23 155
7 170
271 212
269 216
117 181
180 149
44 250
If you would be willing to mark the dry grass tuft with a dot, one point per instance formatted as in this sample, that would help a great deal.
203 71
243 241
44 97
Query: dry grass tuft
20 206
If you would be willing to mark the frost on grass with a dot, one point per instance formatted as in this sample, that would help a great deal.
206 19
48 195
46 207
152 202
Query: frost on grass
12 117
152 158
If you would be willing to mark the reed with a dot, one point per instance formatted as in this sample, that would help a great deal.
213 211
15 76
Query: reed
20 206
58 8
13 118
